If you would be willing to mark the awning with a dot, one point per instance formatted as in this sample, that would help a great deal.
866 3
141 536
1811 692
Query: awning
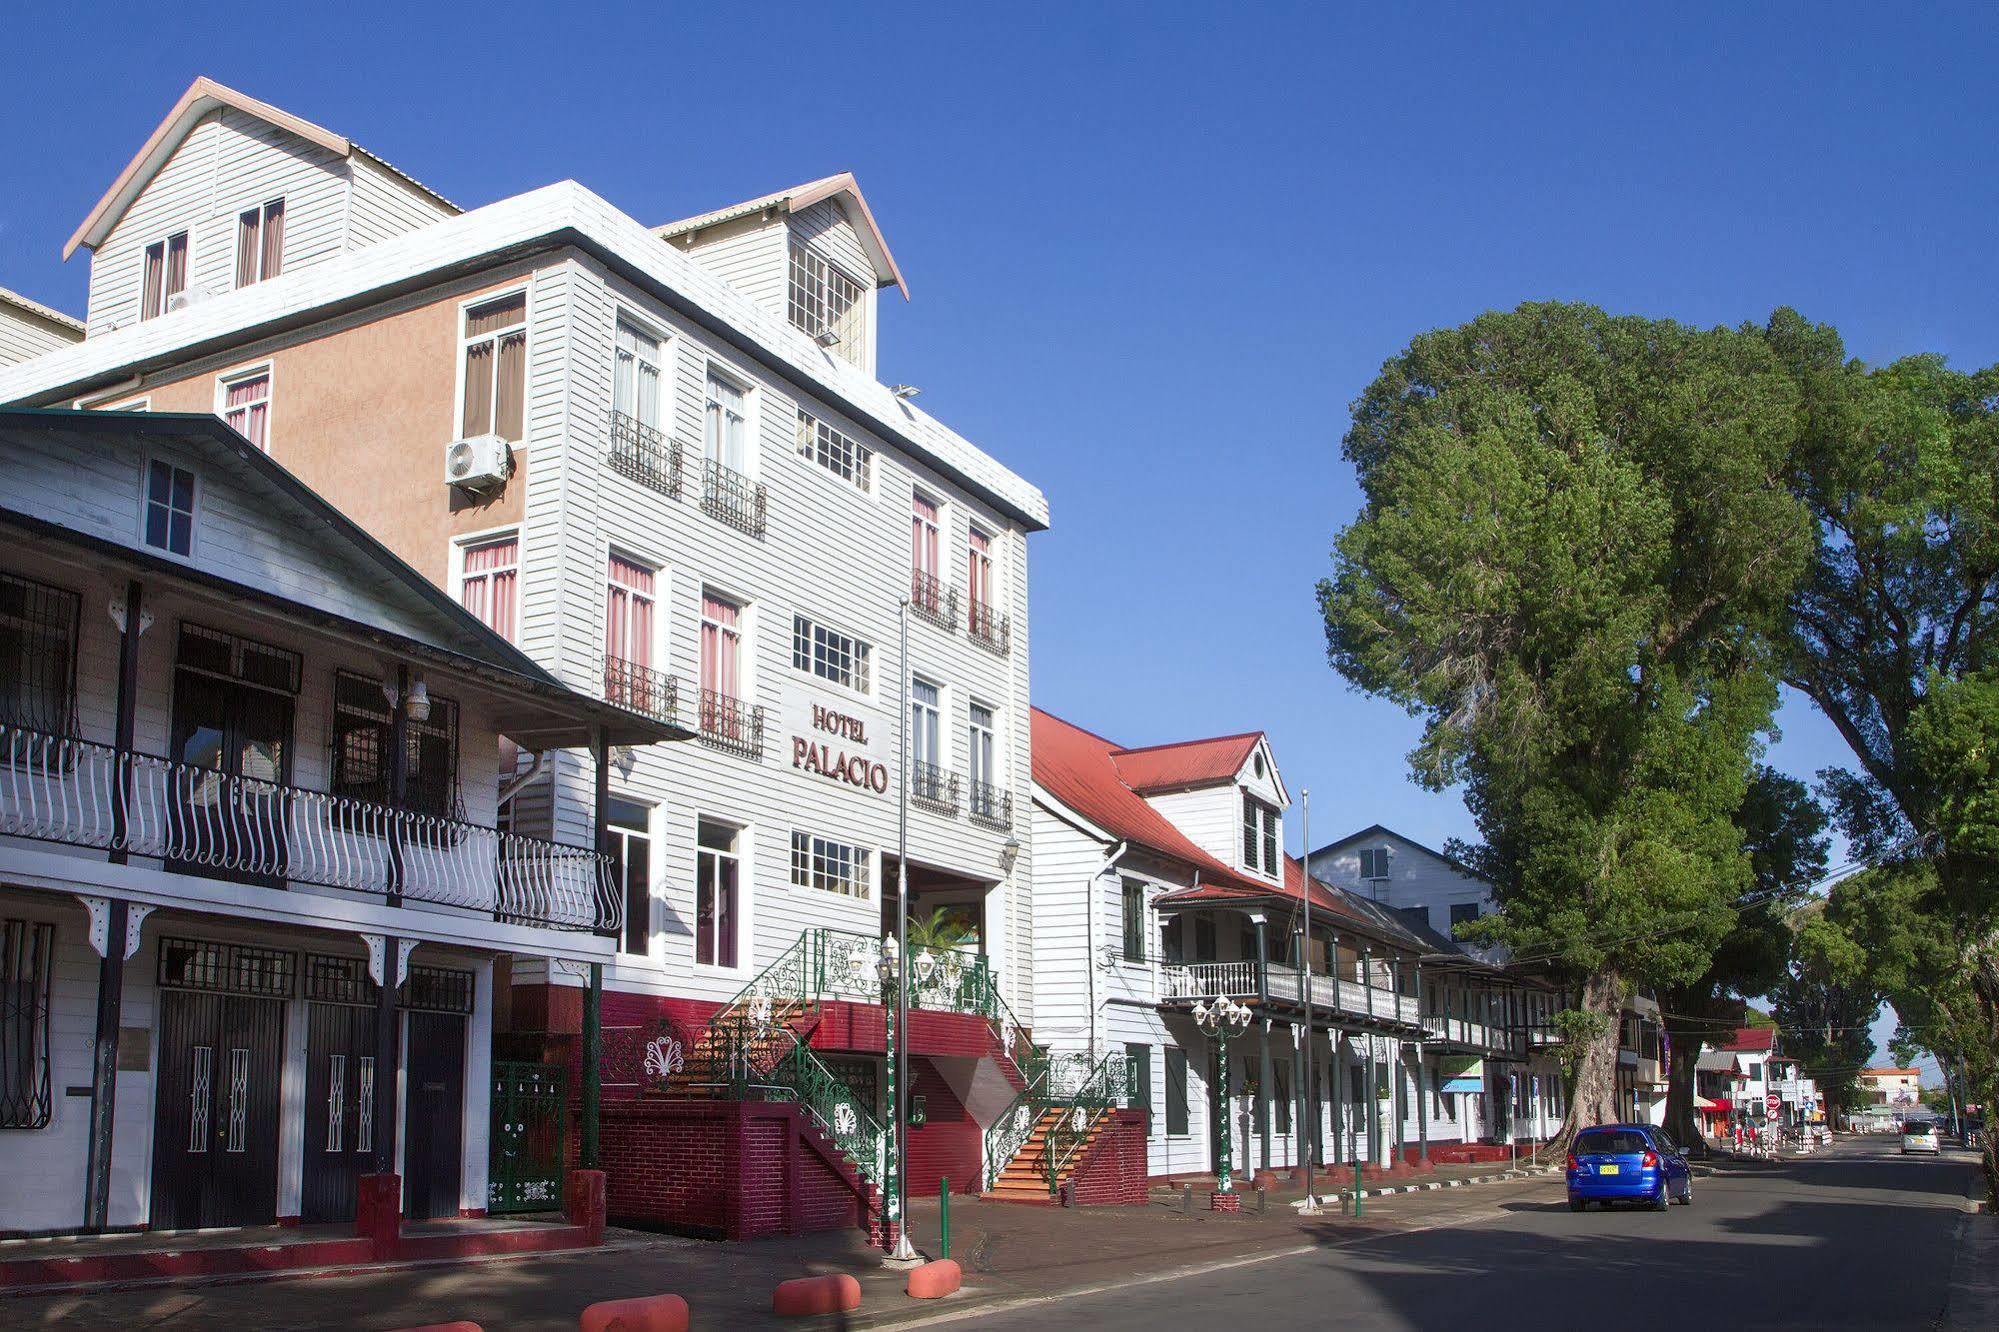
1462 1086
1720 1105
1703 1103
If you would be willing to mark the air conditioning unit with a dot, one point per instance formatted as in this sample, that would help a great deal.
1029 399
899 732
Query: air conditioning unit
478 463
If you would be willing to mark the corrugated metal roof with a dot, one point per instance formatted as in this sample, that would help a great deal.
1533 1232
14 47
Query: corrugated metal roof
1186 763
48 312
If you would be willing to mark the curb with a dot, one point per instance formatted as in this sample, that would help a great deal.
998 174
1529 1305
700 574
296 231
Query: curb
1429 1186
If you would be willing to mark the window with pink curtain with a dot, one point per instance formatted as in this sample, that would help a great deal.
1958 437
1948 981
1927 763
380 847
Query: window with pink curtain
165 275
246 406
979 570
489 583
628 634
260 242
721 647
923 533
496 345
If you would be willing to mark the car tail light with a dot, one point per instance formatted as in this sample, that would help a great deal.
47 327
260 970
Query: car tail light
1651 1161
1573 1163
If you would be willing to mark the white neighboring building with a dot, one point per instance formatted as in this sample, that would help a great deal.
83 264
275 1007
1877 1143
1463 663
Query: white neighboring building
210 856
28 328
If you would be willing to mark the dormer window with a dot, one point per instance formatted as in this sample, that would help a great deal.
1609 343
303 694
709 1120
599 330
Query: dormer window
1259 836
165 276
825 303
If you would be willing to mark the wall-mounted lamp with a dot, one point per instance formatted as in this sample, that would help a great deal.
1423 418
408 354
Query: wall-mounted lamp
1009 854
904 391
417 704
826 337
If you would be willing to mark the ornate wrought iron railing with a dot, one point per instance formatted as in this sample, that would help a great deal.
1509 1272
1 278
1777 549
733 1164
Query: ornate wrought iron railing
854 1127
731 724
932 600
58 789
645 454
989 804
931 785
1108 1084
990 629
640 688
732 497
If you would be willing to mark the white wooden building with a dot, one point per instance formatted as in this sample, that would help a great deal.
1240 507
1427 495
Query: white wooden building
28 328
658 460
224 902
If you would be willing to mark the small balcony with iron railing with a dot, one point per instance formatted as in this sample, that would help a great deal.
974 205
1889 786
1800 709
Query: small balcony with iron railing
931 600
641 689
202 822
732 498
1351 1000
933 787
989 805
989 628
645 454
731 725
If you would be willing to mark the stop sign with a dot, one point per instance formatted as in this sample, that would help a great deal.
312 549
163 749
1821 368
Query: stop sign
1773 1103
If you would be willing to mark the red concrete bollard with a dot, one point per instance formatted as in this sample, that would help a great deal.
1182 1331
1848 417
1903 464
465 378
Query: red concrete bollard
648 1313
460 1326
583 1202
378 1214
935 1280
836 1292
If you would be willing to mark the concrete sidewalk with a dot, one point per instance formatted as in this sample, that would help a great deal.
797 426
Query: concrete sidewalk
1009 1252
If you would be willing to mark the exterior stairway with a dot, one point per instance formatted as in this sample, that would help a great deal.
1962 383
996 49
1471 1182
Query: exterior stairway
1025 1177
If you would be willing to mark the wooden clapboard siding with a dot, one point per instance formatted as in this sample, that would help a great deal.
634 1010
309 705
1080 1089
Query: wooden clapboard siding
750 254
26 334
1417 877
382 204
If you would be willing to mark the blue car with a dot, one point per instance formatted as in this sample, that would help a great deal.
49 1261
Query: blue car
1627 1162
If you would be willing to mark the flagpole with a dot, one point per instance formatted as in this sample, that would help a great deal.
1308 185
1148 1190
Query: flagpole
1311 1140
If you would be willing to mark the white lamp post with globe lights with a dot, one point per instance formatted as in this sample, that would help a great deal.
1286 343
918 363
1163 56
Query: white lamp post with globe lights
1221 1018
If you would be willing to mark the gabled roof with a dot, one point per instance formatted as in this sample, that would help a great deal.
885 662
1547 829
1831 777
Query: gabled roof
1891 1073
67 323
457 638
1383 830
202 96
1750 1040
798 198
1185 764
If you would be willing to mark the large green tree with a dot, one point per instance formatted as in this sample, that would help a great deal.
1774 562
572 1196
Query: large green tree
1784 831
1574 546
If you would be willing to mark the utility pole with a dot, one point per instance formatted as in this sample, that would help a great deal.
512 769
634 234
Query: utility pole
1309 1141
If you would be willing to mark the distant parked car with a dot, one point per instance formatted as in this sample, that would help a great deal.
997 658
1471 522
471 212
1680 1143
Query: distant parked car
1627 1162
1919 1135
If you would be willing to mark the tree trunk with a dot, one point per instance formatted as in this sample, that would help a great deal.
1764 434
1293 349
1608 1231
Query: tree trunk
1593 1098
1985 991
1682 1124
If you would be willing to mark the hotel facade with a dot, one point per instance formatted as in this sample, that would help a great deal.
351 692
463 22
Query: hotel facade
657 460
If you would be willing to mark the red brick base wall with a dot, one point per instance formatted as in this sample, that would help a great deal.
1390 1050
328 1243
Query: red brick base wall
1112 1173
727 1169
948 1144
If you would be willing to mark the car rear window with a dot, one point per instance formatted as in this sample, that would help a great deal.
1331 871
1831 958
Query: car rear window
1611 1142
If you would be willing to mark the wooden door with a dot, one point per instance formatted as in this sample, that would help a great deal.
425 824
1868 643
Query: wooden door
215 1135
433 1151
339 1109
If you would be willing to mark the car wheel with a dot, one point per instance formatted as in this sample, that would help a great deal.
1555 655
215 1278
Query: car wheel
1687 1194
1577 1204
1661 1200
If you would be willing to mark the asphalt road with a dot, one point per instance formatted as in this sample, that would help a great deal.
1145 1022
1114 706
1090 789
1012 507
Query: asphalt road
1857 1237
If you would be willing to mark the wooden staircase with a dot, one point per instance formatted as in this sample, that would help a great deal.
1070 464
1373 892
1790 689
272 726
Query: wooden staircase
729 1050
1025 1177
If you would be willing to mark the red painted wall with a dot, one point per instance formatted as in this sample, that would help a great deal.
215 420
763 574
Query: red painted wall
948 1144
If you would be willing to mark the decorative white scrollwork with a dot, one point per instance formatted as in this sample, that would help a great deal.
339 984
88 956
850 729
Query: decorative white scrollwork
761 1011
844 1119
1079 1119
1022 1118
664 1057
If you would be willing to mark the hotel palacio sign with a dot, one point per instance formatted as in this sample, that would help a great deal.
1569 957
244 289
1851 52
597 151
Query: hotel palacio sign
836 741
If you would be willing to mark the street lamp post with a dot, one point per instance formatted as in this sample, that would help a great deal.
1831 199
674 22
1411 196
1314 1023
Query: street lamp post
1220 1019
890 970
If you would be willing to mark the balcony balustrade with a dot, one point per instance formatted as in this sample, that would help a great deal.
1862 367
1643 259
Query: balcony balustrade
989 628
1238 980
640 688
644 454
199 821
989 805
732 725
932 601
733 498
933 786
1208 980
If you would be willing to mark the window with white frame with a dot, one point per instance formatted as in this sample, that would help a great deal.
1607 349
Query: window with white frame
1259 835
165 276
980 730
489 582
246 406
495 351
1374 862
169 508
926 743
825 303
628 633
837 452
725 439
830 866
635 375
718 870
629 826
925 534
721 647
829 654
260 243
979 570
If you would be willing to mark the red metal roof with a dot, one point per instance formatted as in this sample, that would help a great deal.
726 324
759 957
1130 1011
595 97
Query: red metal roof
1752 1039
1185 763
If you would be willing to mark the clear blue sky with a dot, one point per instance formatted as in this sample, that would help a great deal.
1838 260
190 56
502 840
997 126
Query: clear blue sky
1156 250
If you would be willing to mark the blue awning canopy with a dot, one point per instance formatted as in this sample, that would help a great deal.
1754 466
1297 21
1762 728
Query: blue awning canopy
1462 1086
